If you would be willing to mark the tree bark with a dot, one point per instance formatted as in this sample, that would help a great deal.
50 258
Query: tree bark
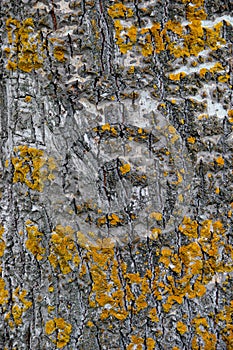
116 175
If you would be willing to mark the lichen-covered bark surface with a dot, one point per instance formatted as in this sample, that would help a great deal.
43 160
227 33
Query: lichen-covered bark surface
116 175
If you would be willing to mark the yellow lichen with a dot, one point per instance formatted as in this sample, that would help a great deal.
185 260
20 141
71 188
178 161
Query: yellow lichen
155 232
24 42
230 115
33 243
2 243
106 127
191 140
90 324
3 292
63 251
27 98
59 53
114 219
135 340
27 167
62 328
201 328
181 327
17 312
156 216
120 11
190 42
189 228
150 343
153 315
177 76
219 161
125 168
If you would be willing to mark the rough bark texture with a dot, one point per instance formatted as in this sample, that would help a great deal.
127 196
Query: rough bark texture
116 175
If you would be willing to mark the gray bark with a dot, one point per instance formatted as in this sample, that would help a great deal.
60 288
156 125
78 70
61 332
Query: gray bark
116 175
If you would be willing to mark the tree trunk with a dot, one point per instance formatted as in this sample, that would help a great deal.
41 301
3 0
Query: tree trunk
116 175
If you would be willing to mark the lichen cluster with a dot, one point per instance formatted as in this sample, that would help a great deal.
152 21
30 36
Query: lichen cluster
173 37
31 167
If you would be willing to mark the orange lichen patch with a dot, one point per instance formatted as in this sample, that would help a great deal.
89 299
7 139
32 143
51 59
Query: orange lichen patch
125 168
112 287
191 140
201 328
82 240
171 300
51 289
190 253
59 53
11 65
213 36
206 229
225 315
171 129
178 174
17 312
203 116
131 70
106 127
25 42
176 265
157 37
141 302
33 243
136 343
27 167
210 235
118 292
114 219
50 309
181 327
146 42
126 41
177 76
62 329
195 39
3 292
153 315
188 42
132 34
21 297
195 9
20 305
90 324
155 232
209 240
27 98
99 263
165 258
230 115
63 251
2 243
120 11
189 228
223 78
156 216
219 161
101 221
174 27
216 68
150 343
199 289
